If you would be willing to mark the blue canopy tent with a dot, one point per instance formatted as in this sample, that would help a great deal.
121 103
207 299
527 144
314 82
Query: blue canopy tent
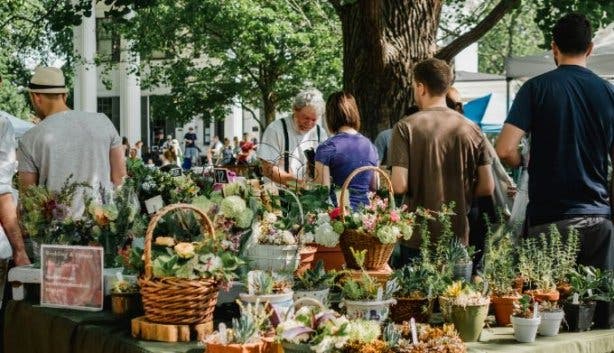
19 126
475 110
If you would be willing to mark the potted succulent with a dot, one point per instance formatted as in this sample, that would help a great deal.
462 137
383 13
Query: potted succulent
364 336
564 252
499 272
314 283
125 298
268 288
244 337
468 312
604 311
313 328
461 258
580 306
413 298
430 339
525 320
365 298
551 315
535 264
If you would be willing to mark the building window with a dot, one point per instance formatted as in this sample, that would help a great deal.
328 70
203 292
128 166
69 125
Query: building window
110 107
107 40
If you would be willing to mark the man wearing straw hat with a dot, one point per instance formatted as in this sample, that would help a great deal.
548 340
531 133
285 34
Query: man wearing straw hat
67 143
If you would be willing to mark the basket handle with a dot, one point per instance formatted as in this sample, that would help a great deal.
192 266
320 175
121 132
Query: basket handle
205 222
300 207
357 171
305 301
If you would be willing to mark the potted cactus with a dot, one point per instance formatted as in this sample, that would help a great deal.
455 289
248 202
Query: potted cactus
604 311
413 298
536 265
580 306
468 313
244 337
551 315
314 283
268 287
525 320
499 271
126 298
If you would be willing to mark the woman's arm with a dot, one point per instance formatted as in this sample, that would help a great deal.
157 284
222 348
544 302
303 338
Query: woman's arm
322 175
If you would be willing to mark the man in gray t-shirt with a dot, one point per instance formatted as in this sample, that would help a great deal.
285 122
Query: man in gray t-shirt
66 142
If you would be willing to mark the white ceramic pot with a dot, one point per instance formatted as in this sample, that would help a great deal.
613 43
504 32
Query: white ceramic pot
276 258
525 330
281 303
368 310
551 322
320 295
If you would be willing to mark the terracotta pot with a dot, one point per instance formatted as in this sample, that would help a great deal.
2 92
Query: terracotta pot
539 295
504 308
331 256
564 290
126 304
259 347
307 254
519 284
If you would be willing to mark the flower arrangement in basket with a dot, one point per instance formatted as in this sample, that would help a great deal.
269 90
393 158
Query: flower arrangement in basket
181 279
375 227
276 241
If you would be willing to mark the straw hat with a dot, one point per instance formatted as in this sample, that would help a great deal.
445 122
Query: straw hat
47 80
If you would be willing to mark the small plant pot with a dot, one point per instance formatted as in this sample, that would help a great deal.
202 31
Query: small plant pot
320 295
469 321
462 271
258 347
539 295
307 255
579 317
331 256
126 304
551 323
604 315
406 308
503 307
281 303
367 310
525 330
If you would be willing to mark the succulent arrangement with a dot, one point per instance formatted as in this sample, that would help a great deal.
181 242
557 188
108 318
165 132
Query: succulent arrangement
316 278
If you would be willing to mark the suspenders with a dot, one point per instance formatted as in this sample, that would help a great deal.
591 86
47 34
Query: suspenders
286 152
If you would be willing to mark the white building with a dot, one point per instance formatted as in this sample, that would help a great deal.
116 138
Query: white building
119 95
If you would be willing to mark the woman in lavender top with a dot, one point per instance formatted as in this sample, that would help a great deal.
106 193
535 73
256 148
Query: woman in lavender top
345 151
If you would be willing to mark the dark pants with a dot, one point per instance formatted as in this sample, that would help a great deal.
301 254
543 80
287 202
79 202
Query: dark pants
596 236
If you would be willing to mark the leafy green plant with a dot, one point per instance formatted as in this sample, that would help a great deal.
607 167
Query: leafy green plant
564 252
605 285
499 262
413 281
244 329
523 307
535 263
391 335
584 282
266 283
315 278
366 287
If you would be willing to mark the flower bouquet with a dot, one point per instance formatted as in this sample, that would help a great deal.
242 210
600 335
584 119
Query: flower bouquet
376 227
181 279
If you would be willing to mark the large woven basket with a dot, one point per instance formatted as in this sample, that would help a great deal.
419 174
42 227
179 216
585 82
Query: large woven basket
378 254
406 308
173 300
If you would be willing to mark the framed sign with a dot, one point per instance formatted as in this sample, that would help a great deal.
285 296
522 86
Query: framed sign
72 277
176 172
220 176
154 204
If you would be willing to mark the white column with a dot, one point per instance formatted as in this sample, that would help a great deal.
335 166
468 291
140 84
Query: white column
129 94
84 40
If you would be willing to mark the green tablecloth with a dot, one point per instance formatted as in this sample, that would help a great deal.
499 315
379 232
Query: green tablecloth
34 329
31 328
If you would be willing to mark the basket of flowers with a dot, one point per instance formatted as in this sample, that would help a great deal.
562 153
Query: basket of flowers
275 242
181 279
375 228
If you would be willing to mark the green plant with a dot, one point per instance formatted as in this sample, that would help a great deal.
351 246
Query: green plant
413 281
391 335
499 269
260 314
244 329
523 307
366 287
123 286
535 263
564 252
266 283
315 278
584 282
605 287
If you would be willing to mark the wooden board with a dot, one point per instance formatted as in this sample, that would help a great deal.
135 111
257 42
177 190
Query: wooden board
381 276
151 331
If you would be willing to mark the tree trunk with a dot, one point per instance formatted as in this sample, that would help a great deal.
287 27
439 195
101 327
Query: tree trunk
382 41
270 108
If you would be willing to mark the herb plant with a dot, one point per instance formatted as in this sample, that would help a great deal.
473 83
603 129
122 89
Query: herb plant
315 278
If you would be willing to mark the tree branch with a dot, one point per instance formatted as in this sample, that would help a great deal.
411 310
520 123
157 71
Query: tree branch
448 52
253 114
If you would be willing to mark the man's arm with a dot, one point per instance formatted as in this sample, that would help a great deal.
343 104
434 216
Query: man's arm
275 173
507 145
486 182
10 224
118 165
400 179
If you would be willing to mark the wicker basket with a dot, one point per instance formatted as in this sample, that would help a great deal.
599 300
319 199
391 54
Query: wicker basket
173 300
406 308
378 254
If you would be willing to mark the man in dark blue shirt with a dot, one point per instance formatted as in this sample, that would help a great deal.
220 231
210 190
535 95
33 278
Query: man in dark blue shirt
569 113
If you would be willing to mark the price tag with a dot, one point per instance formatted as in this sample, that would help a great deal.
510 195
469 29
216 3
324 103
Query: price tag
154 204
414 331
576 298
220 176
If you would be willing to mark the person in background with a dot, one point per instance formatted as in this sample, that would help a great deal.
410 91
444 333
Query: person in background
215 150
67 142
139 149
236 145
176 148
126 146
227 153
438 156
569 113
189 139
244 139
169 160
247 155
288 144
133 154
345 151
382 140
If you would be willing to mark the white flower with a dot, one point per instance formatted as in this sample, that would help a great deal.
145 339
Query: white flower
308 237
269 217
325 235
288 238
323 218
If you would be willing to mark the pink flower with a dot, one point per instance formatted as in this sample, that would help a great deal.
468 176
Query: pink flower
394 216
